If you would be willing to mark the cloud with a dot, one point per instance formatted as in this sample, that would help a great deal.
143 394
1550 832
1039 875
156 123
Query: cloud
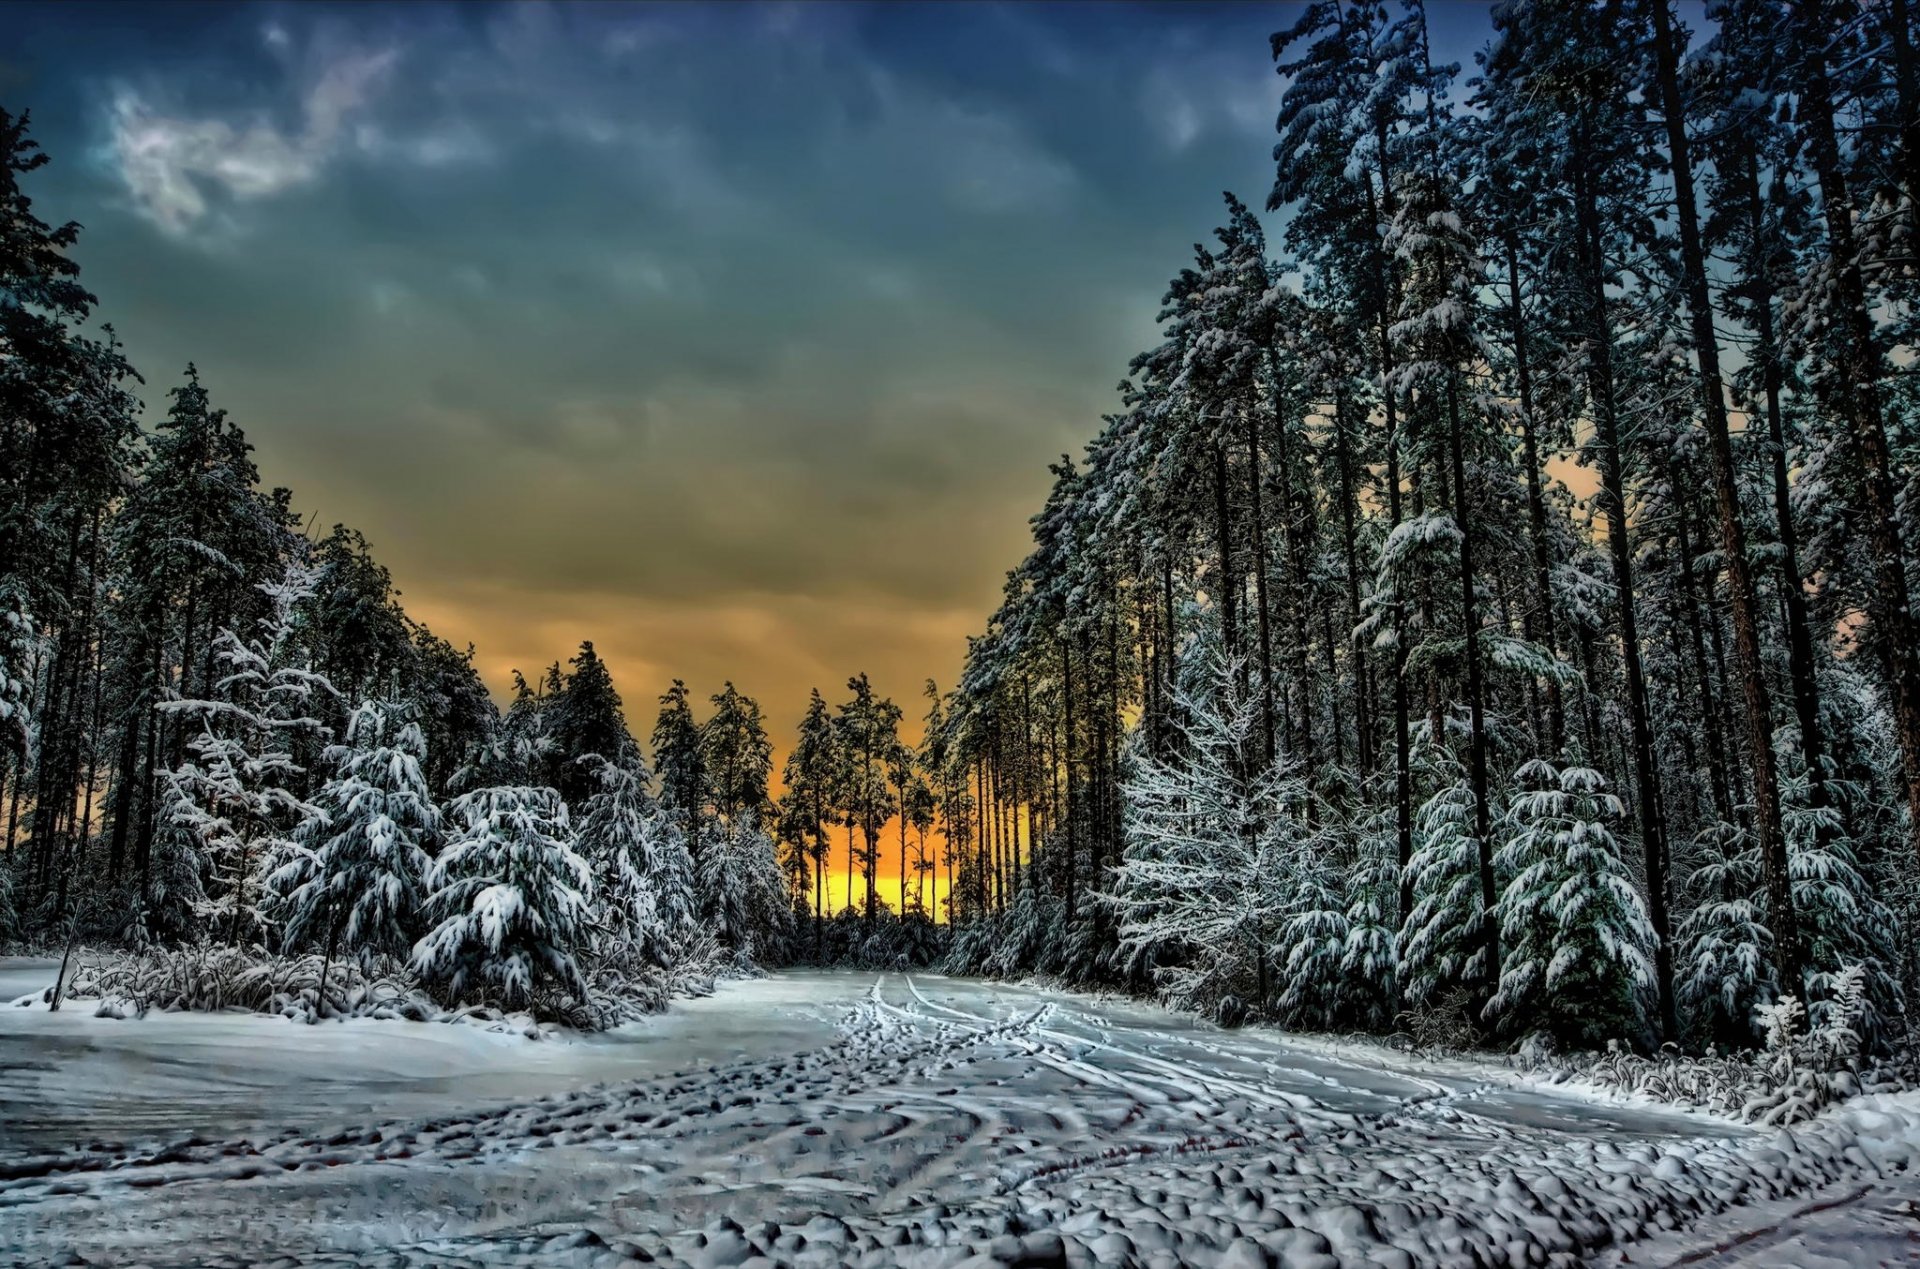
734 339
997 168
1186 98
169 162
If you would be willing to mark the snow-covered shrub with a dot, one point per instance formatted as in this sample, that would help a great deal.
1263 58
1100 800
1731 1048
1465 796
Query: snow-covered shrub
1443 1021
1798 1073
510 898
351 879
1576 959
886 940
208 977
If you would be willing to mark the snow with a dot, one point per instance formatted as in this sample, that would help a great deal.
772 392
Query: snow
838 1118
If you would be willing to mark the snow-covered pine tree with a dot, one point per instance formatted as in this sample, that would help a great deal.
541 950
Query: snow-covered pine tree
1726 949
351 881
509 896
742 888
678 761
1441 947
1579 960
585 717
643 873
1844 923
1218 858
235 802
1369 964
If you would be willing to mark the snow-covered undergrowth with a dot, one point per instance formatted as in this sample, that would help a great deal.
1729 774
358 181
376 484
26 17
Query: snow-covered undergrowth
309 988
1800 1072
210 979
882 941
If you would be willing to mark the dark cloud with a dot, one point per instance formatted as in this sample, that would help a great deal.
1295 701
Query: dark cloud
735 338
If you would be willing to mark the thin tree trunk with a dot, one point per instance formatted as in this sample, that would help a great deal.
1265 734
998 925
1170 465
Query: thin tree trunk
1362 689
1066 749
1741 595
1259 544
1694 620
1476 687
1806 690
1653 827
1539 620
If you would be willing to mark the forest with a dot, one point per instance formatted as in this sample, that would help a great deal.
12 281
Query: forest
1485 616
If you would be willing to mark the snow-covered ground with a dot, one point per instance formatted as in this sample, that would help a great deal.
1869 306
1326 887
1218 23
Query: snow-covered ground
833 1118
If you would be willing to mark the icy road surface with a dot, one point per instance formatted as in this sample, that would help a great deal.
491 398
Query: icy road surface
822 1119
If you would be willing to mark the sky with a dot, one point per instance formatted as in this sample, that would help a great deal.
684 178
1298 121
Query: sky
733 338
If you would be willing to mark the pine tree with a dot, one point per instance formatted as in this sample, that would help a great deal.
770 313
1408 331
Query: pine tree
1579 943
586 719
352 879
643 874
741 888
509 898
679 760
238 801
736 754
810 776
1727 950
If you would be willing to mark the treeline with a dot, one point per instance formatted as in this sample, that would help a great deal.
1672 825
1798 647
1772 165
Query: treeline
1490 608
220 730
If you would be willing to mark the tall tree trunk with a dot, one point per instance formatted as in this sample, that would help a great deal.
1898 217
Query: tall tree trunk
1402 750
1362 689
1695 620
1476 687
1223 547
1857 360
1742 598
1259 545
1653 827
1066 753
1805 681
1539 620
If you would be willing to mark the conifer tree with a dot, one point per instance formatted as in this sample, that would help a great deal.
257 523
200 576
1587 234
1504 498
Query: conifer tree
509 900
352 879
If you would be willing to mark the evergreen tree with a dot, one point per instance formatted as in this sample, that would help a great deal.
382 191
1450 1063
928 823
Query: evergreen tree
643 874
237 801
586 719
509 898
736 754
1579 943
680 762
743 893
810 776
351 880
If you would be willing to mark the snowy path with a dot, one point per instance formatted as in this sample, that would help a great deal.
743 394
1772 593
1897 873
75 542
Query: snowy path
830 1118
